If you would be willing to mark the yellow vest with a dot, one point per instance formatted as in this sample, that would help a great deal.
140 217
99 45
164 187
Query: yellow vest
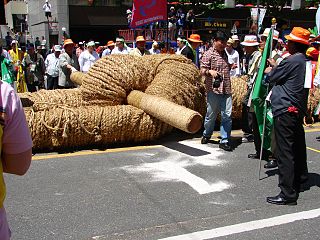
2 184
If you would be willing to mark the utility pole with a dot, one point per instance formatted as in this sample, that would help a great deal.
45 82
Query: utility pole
258 16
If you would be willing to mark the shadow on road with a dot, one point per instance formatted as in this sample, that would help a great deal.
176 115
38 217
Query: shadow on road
186 149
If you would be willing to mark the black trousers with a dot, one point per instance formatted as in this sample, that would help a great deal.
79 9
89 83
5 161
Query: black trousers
246 119
257 137
291 153
52 82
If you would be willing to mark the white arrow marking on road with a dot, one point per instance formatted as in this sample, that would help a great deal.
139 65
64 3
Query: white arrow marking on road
176 172
173 169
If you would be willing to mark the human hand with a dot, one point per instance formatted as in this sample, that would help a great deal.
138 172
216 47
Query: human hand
272 62
213 73
268 69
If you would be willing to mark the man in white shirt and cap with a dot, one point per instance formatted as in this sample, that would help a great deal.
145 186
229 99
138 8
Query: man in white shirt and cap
237 45
52 68
233 58
88 57
121 47
155 48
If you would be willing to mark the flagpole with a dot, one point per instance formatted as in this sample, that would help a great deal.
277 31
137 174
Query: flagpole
265 107
167 29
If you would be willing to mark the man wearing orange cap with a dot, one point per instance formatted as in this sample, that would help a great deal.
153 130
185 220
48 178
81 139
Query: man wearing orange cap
68 62
140 50
110 46
289 100
195 43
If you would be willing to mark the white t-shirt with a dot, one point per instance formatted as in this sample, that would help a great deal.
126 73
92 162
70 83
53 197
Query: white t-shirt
86 60
233 57
125 50
47 7
52 65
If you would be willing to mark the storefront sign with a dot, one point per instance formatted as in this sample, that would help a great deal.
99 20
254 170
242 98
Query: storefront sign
216 24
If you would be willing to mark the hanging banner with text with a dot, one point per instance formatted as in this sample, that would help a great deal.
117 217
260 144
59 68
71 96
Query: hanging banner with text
148 11
254 16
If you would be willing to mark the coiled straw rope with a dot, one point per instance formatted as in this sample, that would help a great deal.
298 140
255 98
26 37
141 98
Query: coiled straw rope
94 113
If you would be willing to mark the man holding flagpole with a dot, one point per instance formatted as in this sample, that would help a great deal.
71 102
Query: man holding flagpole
289 105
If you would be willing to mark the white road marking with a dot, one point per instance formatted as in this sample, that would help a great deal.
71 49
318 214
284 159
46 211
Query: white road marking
247 226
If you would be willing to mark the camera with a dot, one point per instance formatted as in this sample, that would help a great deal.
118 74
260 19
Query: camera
217 81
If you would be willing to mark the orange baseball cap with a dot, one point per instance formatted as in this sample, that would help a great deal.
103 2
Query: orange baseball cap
110 43
300 35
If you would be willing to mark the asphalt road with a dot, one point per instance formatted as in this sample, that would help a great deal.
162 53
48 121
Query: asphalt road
173 188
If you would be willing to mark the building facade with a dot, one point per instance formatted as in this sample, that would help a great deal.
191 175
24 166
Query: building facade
82 20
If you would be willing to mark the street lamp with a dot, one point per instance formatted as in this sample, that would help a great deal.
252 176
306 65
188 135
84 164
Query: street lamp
64 33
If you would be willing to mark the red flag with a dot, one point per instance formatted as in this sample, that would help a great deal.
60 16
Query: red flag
148 11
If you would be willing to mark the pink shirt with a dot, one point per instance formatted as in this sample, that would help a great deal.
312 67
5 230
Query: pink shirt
16 134
15 139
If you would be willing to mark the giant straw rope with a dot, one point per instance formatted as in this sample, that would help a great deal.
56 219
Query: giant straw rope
97 112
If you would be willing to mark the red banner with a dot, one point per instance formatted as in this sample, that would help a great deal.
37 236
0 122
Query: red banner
148 11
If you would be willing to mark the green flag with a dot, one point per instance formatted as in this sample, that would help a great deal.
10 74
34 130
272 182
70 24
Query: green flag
7 74
260 91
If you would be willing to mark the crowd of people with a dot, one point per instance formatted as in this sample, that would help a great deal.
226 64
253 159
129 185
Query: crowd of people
288 74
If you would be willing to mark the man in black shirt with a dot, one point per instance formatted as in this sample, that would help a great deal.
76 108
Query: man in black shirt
289 105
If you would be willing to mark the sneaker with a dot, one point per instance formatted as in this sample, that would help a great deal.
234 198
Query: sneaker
318 138
205 140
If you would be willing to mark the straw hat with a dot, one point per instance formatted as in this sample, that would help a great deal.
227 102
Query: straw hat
110 43
299 35
230 41
250 41
313 53
275 33
140 39
68 42
195 38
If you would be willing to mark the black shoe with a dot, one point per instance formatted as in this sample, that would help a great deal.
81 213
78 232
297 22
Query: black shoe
205 140
304 187
318 138
278 200
225 146
254 155
271 164
247 139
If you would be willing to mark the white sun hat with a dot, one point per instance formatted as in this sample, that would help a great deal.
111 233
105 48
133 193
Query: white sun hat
250 41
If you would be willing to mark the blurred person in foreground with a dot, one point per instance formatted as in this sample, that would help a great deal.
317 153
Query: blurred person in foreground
15 144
